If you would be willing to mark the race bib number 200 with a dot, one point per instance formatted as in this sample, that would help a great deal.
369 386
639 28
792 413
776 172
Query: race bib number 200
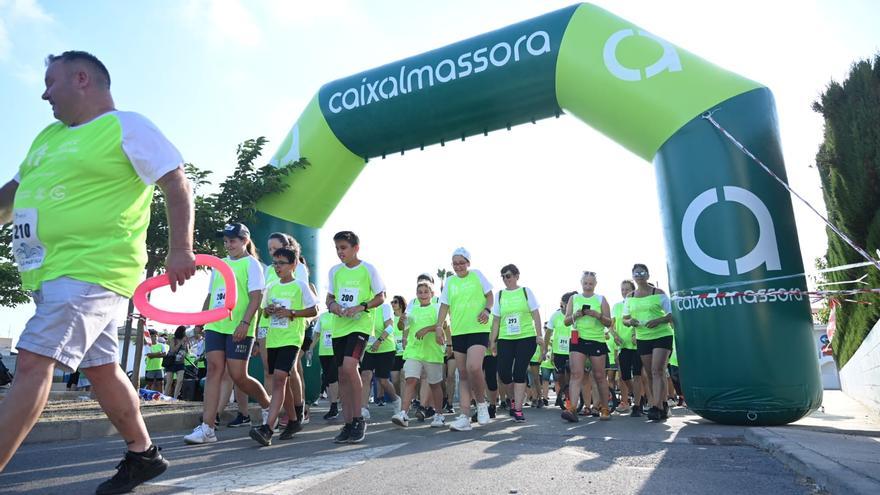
348 297
27 249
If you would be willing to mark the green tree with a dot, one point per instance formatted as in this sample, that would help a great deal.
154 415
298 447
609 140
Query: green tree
849 167
11 294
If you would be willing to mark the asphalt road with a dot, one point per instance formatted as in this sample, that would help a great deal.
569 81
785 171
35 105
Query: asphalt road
685 455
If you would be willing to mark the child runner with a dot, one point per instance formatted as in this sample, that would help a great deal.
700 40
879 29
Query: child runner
558 334
398 304
424 351
630 363
649 311
354 288
379 358
547 369
228 342
289 302
514 333
588 313
329 371
467 298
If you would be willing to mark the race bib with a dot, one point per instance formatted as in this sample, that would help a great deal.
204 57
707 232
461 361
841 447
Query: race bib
348 297
563 345
327 339
219 297
512 324
399 342
277 321
27 249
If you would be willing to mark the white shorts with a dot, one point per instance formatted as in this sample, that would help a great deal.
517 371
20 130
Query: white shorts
412 368
75 324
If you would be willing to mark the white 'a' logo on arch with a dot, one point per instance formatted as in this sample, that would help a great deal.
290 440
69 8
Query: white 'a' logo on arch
668 61
766 251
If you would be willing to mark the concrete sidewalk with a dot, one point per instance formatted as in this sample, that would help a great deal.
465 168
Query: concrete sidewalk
837 446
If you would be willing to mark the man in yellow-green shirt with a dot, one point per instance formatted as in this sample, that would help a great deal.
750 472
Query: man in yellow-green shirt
80 204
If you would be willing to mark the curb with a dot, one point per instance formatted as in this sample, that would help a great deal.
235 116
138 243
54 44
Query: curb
55 431
824 471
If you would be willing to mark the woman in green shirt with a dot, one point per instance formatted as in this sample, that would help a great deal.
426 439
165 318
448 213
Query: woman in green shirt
649 311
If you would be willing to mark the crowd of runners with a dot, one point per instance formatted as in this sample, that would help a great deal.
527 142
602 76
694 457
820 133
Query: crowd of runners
488 344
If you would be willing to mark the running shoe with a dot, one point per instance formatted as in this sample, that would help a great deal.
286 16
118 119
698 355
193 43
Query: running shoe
420 413
439 421
654 413
344 434
511 412
397 404
239 421
519 417
604 414
358 430
558 402
664 413
201 434
333 413
262 434
293 427
365 413
380 403
448 409
546 402
428 413
133 470
623 409
483 413
636 412
492 411
400 419
570 416
594 412
264 413
681 401
538 403
306 417
462 423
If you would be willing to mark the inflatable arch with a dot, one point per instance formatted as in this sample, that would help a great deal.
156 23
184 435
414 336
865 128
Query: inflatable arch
746 358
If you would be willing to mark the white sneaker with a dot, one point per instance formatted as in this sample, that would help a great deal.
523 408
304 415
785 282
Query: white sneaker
400 419
397 404
439 421
265 414
365 413
462 423
483 413
201 434
307 416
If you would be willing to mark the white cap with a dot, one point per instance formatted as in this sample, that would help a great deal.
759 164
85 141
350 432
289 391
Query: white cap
464 253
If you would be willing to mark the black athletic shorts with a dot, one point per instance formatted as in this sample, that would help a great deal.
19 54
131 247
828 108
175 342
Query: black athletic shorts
461 343
560 362
589 348
647 346
307 341
380 363
398 363
281 358
329 370
352 345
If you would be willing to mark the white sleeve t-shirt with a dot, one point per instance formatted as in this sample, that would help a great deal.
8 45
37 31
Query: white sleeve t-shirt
308 297
530 296
487 287
376 283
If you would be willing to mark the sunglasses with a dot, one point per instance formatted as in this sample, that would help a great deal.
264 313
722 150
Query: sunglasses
640 273
280 263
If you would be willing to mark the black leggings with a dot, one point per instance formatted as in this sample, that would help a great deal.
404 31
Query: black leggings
329 371
630 364
513 359
490 370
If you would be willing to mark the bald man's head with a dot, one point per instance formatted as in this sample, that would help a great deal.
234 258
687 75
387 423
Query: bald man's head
84 61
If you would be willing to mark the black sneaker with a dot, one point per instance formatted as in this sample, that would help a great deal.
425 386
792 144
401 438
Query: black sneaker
546 402
344 434
511 412
217 421
654 413
492 411
636 412
519 417
474 415
262 434
239 421
429 413
133 470
331 415
293 427
448 409
421 414
558 402
664 413
358 430
569 416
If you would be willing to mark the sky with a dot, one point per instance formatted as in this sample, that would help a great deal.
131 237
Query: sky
211 74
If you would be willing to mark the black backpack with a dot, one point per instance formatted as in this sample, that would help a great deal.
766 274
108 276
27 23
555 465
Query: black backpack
5 375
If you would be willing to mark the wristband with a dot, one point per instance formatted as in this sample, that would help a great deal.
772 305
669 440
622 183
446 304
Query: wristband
366 306
246 322
487 310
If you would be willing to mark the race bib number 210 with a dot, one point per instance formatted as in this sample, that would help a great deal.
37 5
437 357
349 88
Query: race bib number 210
27 249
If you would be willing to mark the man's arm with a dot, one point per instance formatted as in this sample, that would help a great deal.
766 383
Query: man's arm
180 264
7 196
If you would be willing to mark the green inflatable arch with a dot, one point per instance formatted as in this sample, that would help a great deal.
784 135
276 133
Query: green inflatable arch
746 358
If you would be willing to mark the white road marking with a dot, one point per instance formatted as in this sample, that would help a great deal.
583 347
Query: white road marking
279 478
